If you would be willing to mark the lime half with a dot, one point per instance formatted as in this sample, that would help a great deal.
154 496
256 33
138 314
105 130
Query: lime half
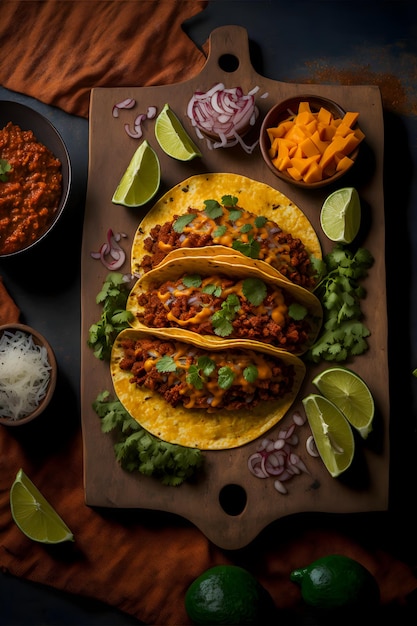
340 215
173 138
141 180
350 394
34 515
332 433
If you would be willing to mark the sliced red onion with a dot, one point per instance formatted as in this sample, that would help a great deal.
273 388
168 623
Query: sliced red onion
277 457
311 446
223 113
151 112
111 248
128 103
136 133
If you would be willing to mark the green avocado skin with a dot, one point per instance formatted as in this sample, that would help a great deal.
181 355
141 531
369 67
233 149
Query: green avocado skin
337 581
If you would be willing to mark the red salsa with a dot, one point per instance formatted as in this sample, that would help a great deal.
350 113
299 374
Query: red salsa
31 191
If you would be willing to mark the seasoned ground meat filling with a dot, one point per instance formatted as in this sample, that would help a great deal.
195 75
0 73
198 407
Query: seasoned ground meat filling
217 305
251 235
183 374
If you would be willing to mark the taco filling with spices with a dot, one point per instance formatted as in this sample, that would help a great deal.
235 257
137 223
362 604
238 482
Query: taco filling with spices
235 215
203 397
221 299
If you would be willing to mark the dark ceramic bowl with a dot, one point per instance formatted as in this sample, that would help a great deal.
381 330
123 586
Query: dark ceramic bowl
46 133
283 111
39 340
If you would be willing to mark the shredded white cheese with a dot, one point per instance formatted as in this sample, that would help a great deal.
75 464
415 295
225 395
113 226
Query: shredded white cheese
24 374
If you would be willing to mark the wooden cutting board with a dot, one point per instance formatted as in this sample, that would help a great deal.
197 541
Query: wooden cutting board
229 505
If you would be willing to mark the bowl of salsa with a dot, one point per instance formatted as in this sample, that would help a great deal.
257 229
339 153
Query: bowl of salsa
35 177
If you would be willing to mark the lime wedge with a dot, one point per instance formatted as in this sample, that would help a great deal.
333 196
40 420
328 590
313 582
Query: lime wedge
34 515
173 138
141 180
340 215
332 433
350 394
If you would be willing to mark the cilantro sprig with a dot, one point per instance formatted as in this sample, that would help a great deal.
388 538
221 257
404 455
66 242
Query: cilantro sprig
137 450
113 319
340 292
4 168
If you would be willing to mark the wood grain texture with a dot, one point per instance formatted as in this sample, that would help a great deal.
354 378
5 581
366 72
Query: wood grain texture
106 484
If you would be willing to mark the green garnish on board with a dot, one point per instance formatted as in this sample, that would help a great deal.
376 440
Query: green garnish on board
137 450
4 168
114 317
340 292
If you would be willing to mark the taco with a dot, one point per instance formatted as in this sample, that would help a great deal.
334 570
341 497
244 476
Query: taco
234 215
206 398
221 299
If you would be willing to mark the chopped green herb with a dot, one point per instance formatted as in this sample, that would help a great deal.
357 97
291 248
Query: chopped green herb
114 317
229 200
4 168
343 334
246 228
219 231
250 373
196 373
297 311
250 249
225 377
182 222
137 450
194 377
213 209
222 320
166 364
254 290
213 290
235 215
192 280
260 221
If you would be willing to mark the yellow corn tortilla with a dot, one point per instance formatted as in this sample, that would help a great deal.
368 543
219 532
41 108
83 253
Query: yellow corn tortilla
197 428
254 196
232 266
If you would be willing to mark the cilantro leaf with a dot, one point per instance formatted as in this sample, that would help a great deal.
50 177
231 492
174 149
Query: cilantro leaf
166 364
212 289
192 280
250 373
114 317
260 221
219 231
343 333
250 249
229 201
226 377
254 290
4 168
137 450
213 209
182 222
297 311
222 320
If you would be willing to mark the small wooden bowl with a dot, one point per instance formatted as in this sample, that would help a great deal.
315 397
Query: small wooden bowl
283 111
39 340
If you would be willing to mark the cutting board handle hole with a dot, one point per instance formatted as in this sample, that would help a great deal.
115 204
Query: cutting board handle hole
233 499
228 63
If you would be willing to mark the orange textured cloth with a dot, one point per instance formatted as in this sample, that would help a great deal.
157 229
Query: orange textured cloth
138 561
58 50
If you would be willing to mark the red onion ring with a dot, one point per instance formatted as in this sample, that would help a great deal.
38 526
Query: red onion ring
128 103
111 248
224 115
277 458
